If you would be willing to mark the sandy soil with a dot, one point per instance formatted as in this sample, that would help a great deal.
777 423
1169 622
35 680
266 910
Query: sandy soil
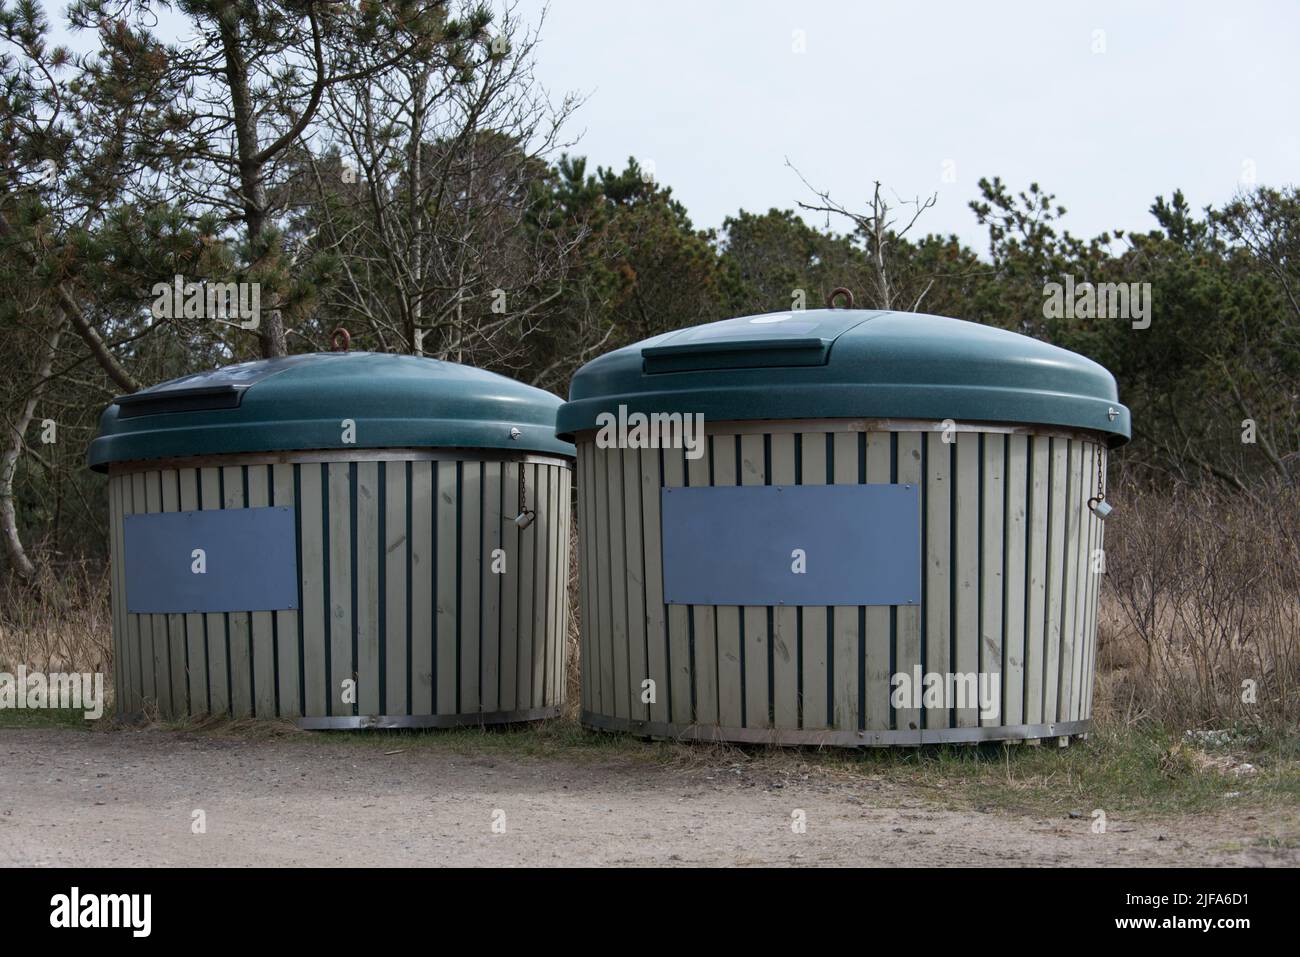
127 798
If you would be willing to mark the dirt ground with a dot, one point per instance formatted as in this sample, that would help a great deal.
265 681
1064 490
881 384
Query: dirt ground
128 798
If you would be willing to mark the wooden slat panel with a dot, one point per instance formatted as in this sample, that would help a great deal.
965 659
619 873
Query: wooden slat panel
1035 650
157 682
342 667
758 710
846 705
396 553
966 584
215 623
1093 636
177 679
785 618
263 650
447 638
704 619
681 666
816 637
511 585
604 588
633 559
652 563
938 566
239 624
313 574
1055 577
423 586
877 665
286 622
616 563
542 599
907 623
1083 611
1017 512
195 654
471 611
731 692
991 570
490 583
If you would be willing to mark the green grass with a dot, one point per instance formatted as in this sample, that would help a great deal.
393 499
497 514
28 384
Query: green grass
46 718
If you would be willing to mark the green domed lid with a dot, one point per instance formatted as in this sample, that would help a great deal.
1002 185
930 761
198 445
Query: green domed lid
849 363
301 402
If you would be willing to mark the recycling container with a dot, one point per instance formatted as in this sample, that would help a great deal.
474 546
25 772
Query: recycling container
887 531
340 539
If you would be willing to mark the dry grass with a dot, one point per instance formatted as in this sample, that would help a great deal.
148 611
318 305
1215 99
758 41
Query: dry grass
1201 608
59 622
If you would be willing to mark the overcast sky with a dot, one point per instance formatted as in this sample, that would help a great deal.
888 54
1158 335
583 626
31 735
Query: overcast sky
1190 95
1105 104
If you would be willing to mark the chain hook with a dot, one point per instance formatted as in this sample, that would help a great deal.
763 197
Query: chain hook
526 514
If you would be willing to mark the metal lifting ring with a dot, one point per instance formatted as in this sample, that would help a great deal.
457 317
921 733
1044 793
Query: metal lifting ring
340 334
836 293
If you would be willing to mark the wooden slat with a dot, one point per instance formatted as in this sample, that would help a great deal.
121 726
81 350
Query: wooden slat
1093 635
559 586
652 562
140 626
681 666
816 637
177 679
847 635
991 572
1017 513
511 585
1035 650
286 622
603 578
313 575
731 692
1083 612
938 566
631 560
907 624
367 575
342 667
1071 505
542 599
263 650
758 709
533 551
785 618
215 623
196 675
122 680
704 618
490 584
396 552
157 677
877 665
1055 577
966 590
424 586
239 624
616 563
447 638
471 611
585 560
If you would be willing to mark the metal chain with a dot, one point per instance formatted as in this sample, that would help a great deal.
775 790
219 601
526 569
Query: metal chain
1101 475
523 490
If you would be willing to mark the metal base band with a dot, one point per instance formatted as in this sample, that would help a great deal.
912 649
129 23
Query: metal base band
838 739
357 722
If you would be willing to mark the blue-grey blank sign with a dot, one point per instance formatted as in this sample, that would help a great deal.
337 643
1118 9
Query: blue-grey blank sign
792 545
248 561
